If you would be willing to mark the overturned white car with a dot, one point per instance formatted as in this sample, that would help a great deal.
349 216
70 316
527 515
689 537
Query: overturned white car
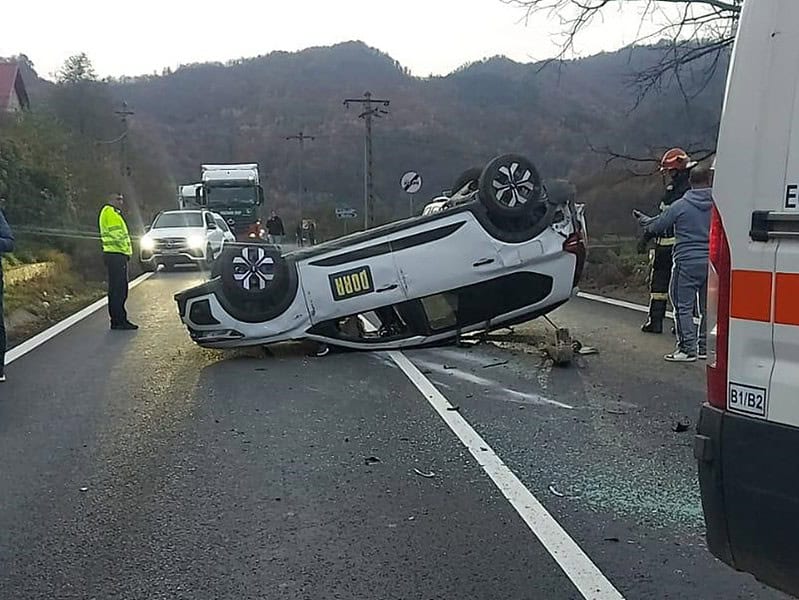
503 249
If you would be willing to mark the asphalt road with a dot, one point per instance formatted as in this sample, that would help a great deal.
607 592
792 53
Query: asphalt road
139 466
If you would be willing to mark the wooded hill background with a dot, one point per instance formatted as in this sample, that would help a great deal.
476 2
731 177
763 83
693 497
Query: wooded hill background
56 166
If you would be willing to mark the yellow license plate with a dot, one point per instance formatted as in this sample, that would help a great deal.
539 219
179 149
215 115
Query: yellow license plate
350 284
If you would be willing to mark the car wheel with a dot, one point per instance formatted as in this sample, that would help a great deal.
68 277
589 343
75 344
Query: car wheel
149 267
470 176
510 186
252 271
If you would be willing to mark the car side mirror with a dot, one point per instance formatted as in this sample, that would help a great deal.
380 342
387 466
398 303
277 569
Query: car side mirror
212 226
260 195
147 228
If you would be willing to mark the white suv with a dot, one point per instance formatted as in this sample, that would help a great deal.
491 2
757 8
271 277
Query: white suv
184 237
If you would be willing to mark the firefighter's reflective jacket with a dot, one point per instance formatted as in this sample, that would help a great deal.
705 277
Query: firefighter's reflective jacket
114 232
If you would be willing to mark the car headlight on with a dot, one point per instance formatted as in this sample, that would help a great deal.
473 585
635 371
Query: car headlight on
196 242
147 243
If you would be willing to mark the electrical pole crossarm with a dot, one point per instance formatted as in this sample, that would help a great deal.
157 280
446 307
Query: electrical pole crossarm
372 108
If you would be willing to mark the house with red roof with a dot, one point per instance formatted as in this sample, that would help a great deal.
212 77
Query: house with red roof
13 95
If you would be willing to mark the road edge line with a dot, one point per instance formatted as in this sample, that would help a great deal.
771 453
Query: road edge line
622 304
573 561
48 334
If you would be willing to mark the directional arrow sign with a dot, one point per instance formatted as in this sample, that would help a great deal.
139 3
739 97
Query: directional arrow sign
346 213
411 182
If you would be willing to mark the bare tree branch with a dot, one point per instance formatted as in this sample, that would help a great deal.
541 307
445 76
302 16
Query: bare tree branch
650 159
689 33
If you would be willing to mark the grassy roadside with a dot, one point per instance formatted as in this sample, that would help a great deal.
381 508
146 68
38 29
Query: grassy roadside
32 306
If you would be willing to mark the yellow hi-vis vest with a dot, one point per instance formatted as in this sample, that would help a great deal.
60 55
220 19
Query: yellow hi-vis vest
114 232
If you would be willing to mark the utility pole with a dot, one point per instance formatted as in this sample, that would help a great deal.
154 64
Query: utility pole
301 137
372 108
123 146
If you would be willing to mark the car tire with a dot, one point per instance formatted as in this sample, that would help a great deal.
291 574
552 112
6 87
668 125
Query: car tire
470 176
149 267
510 186
252 271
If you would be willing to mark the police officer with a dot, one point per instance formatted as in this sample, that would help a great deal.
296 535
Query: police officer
677 164
117 250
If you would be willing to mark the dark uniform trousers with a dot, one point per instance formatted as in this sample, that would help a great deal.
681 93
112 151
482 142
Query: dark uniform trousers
117 266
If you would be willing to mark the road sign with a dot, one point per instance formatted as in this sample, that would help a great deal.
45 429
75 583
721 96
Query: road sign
411 182
346 213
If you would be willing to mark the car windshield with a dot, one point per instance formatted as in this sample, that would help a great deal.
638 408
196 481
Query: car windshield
231 196
178 219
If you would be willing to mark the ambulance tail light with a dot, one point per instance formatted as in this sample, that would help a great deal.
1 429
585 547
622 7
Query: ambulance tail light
718 312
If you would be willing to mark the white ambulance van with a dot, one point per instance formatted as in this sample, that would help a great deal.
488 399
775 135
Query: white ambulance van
748 435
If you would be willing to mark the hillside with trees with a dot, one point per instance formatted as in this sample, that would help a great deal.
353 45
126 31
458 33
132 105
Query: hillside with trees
565 116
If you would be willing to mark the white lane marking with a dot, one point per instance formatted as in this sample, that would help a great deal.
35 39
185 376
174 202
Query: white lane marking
45 336
490 383
623 304
475 359
578 567
620 303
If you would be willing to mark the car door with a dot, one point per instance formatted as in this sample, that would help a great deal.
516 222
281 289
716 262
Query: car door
444 254
351 280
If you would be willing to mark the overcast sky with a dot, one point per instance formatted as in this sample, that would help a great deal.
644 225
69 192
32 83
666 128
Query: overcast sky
428 36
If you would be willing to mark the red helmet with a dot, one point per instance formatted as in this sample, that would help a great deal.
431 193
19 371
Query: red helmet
675 159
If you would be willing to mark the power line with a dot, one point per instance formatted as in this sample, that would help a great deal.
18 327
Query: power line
301 137
372 108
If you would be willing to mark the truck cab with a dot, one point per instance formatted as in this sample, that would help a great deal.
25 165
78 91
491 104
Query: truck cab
234 191
747 443
187 196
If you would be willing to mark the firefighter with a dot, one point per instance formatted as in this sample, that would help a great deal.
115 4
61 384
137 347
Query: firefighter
677 165
117 249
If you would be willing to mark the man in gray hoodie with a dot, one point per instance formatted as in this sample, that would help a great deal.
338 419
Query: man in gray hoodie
690 217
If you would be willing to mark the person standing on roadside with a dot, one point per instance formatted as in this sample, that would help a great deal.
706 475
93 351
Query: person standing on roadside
690 219
117 249
275 229
6 245
677 164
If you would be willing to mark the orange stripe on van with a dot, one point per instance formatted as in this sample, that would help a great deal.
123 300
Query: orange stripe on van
786 307
750 297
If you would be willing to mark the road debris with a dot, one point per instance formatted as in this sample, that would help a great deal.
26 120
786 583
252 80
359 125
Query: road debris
553 490
612 539
449 368
84 489
454 408
429 475
496 364
561 351
587 350
681 426
371 460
